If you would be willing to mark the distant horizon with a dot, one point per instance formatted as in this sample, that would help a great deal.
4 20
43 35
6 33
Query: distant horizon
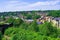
26 10
26 5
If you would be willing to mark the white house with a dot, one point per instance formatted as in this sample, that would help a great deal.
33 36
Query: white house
56 22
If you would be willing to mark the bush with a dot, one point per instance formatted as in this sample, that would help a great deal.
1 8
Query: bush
3 38
11 31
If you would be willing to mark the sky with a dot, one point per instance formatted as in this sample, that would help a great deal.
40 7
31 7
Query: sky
27 5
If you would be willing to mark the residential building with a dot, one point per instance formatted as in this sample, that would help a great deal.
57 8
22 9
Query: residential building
56 22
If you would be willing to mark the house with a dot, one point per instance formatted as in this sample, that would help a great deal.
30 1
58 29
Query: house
56 22
40 20
28 20
15 17
45 18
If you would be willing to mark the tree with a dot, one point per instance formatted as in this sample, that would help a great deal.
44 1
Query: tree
10 20
34 26
22 34
43 29
54 13
28 16
48 30
3 17
24 26
36 16
17 22
58 31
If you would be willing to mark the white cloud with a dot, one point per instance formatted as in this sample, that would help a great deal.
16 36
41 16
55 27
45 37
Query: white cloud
17 5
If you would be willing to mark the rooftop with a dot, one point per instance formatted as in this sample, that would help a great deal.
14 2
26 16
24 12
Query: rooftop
57 18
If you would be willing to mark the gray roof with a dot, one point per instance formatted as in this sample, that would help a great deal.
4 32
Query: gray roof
39 23
57 18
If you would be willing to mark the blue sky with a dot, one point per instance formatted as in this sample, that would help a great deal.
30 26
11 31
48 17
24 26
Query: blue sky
26 5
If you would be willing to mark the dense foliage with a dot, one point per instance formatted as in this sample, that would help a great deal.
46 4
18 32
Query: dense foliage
48 30
54 13
22 34
32 31
31 15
